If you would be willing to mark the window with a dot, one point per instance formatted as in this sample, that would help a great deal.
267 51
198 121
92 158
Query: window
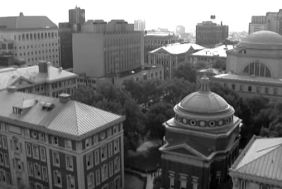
97 177
38 186
88 142
102 135
257 69
242 184
90 180
42 154
42 137
266 90
89 160
109 132
116 146
35 150
57 178
171 180
30 168
97 157
44 174
6 160
117 164
68 144
250 88
233 86
1 159
110 149
37 171
103 153
70 182
104 172
117 182
56 159
69 162
54 140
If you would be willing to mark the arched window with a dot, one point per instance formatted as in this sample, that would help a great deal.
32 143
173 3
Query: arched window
257 69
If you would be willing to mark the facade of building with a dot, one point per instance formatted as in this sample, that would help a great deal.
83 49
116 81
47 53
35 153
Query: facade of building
201 141
52 143
254 66
171 56
209 34
35 38
42 79
139 25
259 165
210 56
272 21
107 49
154 40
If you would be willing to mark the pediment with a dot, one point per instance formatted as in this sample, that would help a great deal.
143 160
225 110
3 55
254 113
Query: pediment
161 51
21 81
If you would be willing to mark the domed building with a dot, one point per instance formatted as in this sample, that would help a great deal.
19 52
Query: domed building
201 141
254 67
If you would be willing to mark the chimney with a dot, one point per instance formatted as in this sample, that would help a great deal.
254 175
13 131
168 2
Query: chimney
21 14
43 66
64 97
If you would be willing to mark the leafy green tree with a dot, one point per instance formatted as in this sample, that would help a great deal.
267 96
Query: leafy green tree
187 72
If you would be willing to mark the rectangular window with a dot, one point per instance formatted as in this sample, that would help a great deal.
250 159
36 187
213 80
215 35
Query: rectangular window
110 149
70 182
117 182
37 171
97 160
104 172
97 177
68 144
89 160
88 142
1 142
42 154
6 160
109 132
1 158
116 146
44 173
117 164
102 135
57 178
90 180
35 150
95 139
28 150
103 153
56 159
69 162
115 129
30 168
111 168
42 137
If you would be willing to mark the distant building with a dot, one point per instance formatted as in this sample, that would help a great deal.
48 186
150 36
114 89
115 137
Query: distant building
156 39
107 49
35 38
254 66
210 56
42 79
171 56
209 34
58 143
259 165
77 16
180 30
201 141
272 21
139 25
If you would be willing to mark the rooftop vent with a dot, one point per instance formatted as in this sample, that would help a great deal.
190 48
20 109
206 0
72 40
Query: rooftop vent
48 106
43 66
64 97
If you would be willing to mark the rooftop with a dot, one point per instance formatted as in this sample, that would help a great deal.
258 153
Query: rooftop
31 75
66 118
219 51
26 22
178 48
261 158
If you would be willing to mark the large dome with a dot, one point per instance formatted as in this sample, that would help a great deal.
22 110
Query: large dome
262 40
204 109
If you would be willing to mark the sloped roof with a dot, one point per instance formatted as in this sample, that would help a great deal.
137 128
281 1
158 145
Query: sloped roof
31 74
26 22
261 158
70 118
178 48
217 51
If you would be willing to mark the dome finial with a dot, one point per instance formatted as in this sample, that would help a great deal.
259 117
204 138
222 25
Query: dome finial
204 84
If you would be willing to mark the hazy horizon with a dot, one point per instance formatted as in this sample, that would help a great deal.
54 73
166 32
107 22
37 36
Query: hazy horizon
157 13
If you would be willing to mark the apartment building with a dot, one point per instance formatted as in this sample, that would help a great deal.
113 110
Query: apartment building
53 143
35 38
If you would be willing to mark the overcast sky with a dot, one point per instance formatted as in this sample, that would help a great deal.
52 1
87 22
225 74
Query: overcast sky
157 13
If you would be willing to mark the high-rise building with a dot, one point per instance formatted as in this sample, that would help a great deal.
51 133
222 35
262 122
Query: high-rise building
209 34
107 49
42 79
58 143
139 25
35 38
76 16
201 142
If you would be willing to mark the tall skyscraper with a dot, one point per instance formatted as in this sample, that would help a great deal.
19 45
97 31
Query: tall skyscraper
209 34
139 25
35 38
107 49
76 16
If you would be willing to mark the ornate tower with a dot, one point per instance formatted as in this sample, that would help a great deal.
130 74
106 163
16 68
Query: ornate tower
201 141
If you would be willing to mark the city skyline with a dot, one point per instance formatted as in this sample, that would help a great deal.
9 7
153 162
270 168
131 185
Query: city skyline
157 14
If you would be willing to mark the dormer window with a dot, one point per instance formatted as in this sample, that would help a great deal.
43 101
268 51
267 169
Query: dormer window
17 110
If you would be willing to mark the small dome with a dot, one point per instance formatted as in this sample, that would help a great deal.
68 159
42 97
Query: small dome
262 40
